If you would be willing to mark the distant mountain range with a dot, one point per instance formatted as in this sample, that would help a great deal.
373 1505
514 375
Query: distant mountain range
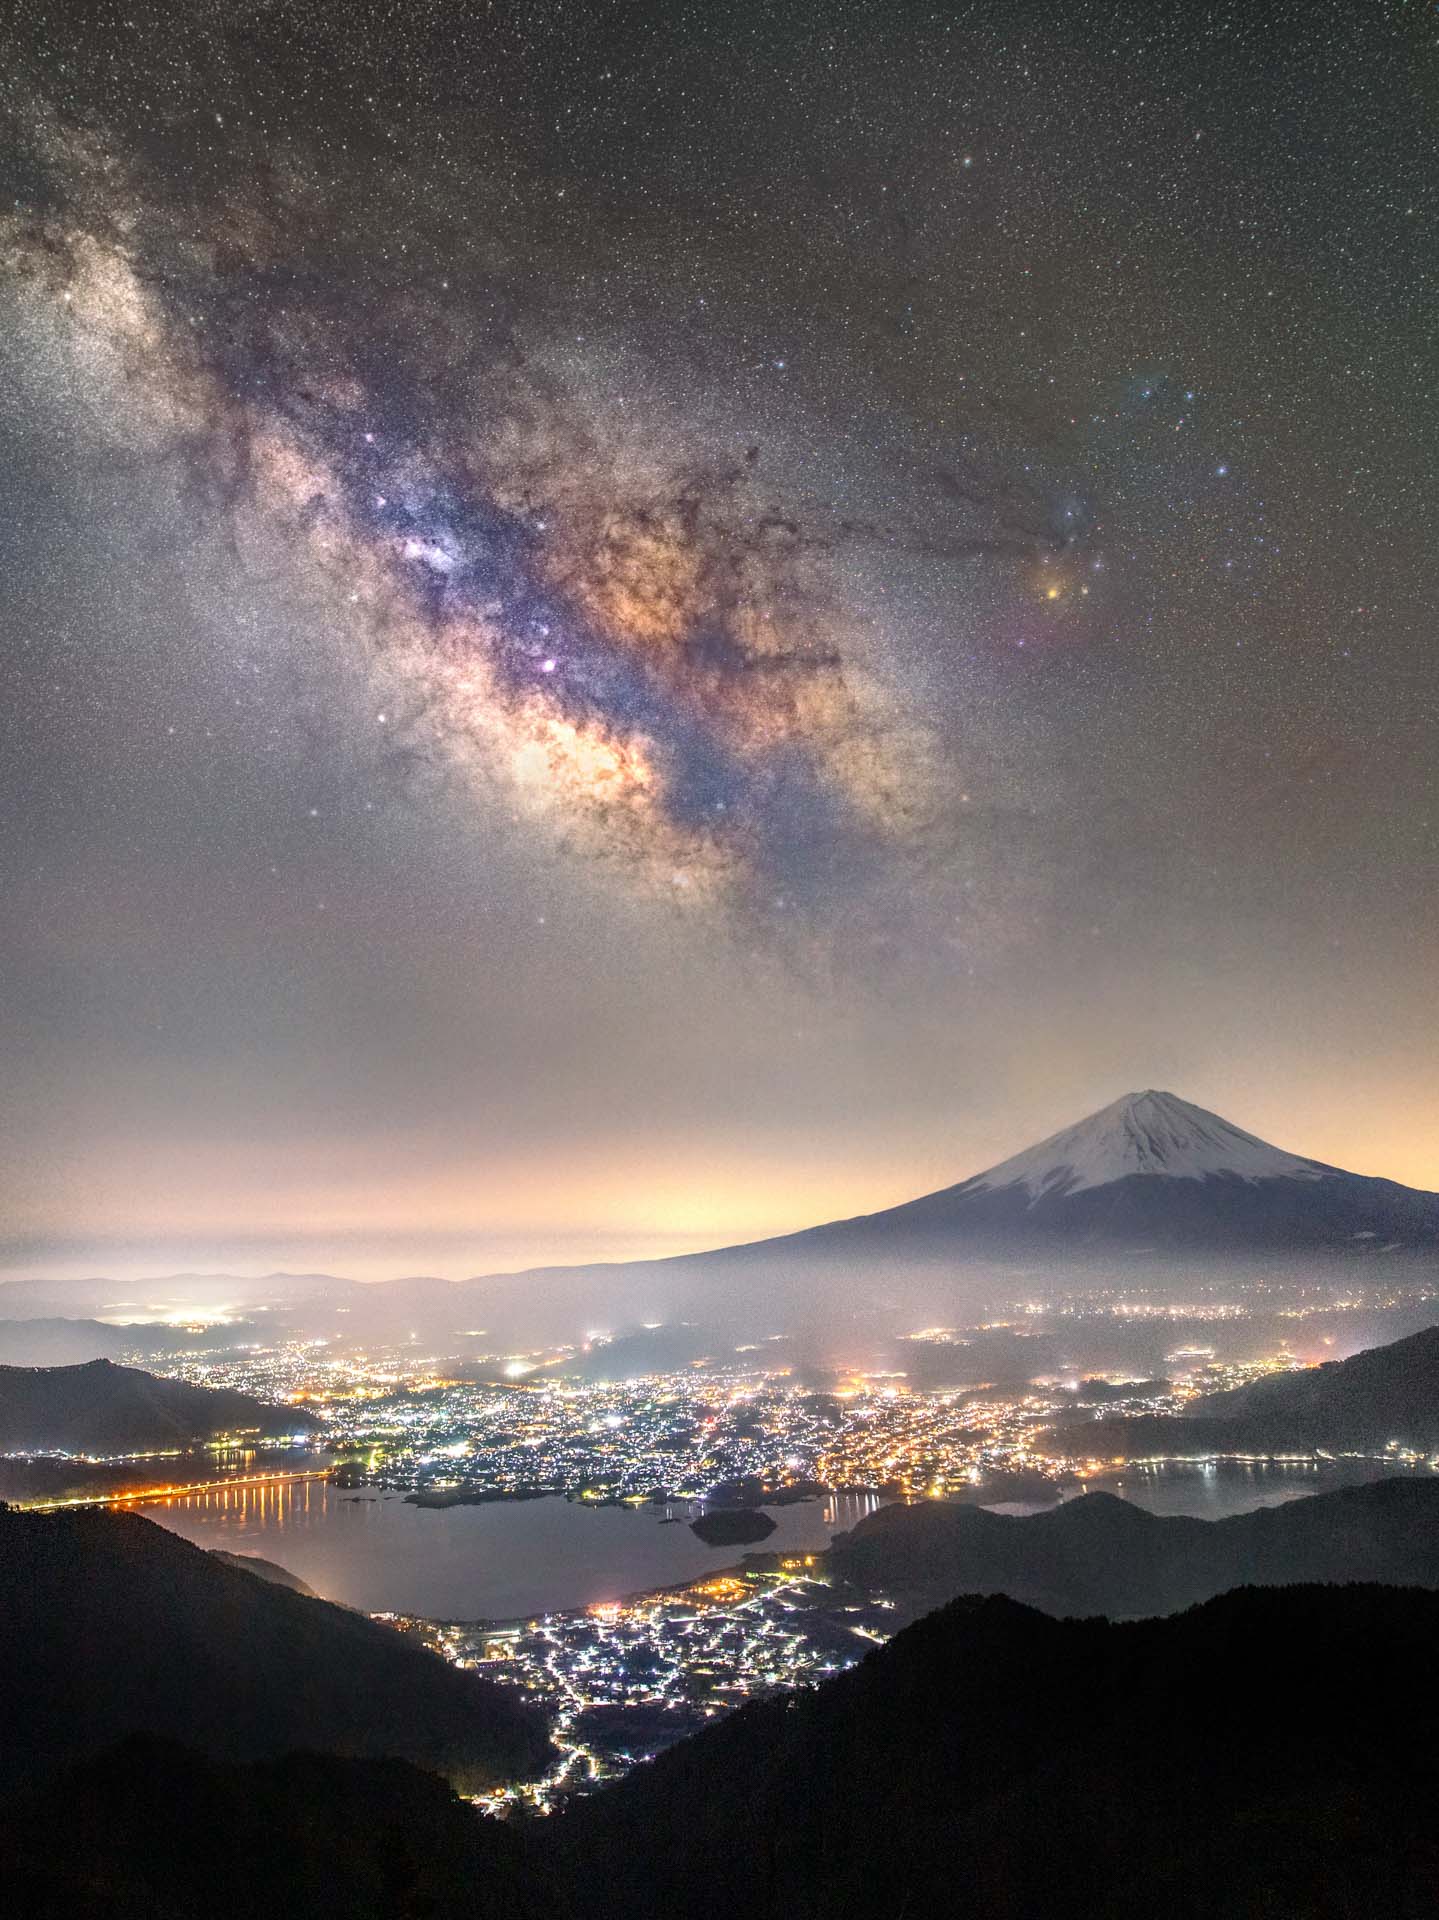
1149 1179
159 1307
55 1342
111 1626
1100 1554
1383 1395
100 1408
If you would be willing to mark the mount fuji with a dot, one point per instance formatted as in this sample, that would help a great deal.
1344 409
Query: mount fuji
1149 1188
1152 1171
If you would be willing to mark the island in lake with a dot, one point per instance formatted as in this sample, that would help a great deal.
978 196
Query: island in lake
732 1526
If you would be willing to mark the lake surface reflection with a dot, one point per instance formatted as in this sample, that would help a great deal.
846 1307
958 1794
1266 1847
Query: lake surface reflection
374 1551
1212 1490
497 1562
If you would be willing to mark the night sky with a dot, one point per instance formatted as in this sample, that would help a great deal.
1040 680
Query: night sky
624 627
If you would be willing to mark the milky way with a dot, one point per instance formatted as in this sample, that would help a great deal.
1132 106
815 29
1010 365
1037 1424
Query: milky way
643 645
703 614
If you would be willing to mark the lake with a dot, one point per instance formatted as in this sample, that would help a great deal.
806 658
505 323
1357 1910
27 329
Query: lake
515 1557
1210 1490
499 1561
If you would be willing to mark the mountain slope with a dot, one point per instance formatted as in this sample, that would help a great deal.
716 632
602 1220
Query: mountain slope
1099 1554
1144 1133
55 1342
1148 1172
1153 1171
1243 1758
1384 1394
111 1626
100 1408
262 1569
1389 1392
152 1831
1148 1175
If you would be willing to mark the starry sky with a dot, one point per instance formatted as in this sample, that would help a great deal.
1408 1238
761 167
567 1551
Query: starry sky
627 626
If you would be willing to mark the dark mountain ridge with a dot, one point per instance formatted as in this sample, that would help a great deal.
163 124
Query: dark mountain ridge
1384 1395
262 1569
114 1626
1271 1755
1374 1393
1242 1758
57 1342
99 1408
1100 1554
154 1831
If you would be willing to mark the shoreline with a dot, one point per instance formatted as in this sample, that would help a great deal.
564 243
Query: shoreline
146 1496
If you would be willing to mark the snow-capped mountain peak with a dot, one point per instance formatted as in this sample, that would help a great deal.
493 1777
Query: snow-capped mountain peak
1144 1133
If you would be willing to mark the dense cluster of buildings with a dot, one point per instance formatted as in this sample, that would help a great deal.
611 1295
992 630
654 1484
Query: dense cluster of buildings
397 1422
621 1682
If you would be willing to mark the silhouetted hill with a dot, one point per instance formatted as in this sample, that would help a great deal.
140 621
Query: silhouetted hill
24 1479
1384 1394
57 1342
732 1526
151 1831
1100 1554
263 1570
110 1626
1267 1756
101 1408
1271 1755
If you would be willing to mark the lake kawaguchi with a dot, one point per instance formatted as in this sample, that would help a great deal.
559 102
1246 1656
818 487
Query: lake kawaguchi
509 1558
